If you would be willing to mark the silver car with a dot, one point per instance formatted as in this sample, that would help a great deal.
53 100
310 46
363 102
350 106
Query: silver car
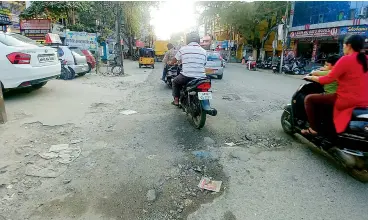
214 65
74 58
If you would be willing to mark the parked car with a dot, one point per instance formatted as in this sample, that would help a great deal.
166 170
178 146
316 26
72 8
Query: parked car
214 65
74 58
91 61
24 63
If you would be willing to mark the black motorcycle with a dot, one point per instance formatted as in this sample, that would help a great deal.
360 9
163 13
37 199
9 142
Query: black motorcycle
350 148
194 100
172 72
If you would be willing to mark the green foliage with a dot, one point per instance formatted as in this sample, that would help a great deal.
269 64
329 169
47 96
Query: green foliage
53 10
244 17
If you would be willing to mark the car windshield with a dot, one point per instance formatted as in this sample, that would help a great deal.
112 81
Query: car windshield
77 51
213 56
16 40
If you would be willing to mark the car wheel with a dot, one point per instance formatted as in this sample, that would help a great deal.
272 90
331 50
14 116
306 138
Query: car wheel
89 68
153 66
140 66
220 76
39 85
81 74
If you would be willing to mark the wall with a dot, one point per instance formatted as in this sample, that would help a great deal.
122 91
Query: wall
312 12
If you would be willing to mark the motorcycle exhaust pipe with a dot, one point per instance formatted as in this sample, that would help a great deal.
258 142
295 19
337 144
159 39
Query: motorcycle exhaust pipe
212 112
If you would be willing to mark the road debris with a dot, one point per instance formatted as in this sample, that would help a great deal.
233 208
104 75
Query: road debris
128 112
151 195
231 144
202 154
208 184
75 141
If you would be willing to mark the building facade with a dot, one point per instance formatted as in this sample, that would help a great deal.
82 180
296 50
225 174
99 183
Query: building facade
318 28
9 15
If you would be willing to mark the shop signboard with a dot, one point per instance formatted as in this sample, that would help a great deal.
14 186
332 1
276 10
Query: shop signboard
324 32
82 40
4 19
360 30
36 29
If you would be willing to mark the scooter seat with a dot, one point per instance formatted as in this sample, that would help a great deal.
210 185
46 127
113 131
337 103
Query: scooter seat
360 113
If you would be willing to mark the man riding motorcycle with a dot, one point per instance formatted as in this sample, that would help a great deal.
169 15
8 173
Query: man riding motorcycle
169 55
193 58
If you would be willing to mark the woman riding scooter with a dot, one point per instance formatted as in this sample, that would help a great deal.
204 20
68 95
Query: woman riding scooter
350 72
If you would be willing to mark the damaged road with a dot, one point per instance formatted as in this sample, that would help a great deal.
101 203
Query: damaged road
115 148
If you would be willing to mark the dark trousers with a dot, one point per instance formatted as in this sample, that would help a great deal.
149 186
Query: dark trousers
319 109
164 72
178 83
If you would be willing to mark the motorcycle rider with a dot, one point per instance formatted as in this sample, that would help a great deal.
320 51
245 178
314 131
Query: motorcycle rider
193 58
351 74
169 55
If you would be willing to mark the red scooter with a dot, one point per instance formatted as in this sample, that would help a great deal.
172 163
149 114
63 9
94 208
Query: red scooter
251 65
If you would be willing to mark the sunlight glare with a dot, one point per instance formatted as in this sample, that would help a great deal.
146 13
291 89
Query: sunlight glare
172 17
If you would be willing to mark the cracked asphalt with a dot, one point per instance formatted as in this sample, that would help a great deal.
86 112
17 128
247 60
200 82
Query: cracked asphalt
146 165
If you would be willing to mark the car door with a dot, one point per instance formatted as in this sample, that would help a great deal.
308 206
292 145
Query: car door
78 55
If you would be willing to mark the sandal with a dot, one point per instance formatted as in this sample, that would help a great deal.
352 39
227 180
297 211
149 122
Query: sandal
173 103
309 131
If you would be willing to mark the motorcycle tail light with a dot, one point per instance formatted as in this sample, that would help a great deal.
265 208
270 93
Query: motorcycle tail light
204 86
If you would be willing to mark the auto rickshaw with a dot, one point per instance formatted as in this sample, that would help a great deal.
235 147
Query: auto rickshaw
146 57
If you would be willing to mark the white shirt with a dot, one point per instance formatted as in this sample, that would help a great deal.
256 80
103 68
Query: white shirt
194 58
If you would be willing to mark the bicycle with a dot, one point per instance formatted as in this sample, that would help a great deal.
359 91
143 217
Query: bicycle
110 68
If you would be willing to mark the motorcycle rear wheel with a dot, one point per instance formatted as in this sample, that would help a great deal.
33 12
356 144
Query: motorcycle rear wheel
199 117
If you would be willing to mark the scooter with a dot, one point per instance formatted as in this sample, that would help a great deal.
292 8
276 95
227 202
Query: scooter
65 72
251 65
350 149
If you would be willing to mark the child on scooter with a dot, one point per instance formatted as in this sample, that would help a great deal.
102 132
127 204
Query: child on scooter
329 64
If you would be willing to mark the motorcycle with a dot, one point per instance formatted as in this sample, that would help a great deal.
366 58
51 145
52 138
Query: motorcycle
291 67
251 65
348 149
194 100
275 65
172 72
65 72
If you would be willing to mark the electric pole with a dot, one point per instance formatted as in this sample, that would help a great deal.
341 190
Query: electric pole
284 37
118 38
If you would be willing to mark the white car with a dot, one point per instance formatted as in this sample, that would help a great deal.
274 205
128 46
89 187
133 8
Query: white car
24 63
74 58
214 65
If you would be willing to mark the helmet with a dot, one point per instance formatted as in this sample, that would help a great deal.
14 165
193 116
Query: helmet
192 37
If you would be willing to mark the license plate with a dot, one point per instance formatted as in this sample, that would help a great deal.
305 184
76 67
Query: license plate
204 95
274 68
46 58
209 71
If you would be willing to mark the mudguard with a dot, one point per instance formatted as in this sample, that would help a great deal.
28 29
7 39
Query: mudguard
206 105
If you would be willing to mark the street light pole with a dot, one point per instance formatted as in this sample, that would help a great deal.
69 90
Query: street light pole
97 51
285 36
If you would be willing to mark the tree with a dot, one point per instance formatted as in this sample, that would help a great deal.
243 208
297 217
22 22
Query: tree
55 10
244 17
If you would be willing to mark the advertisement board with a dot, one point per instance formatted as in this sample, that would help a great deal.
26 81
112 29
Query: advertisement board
324 32
36 29
82 40
360 30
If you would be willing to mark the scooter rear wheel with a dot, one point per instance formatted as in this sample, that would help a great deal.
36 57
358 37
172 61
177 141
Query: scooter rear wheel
360 175
286 123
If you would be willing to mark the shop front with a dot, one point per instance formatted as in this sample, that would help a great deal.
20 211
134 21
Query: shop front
4 22
316 44
36 29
